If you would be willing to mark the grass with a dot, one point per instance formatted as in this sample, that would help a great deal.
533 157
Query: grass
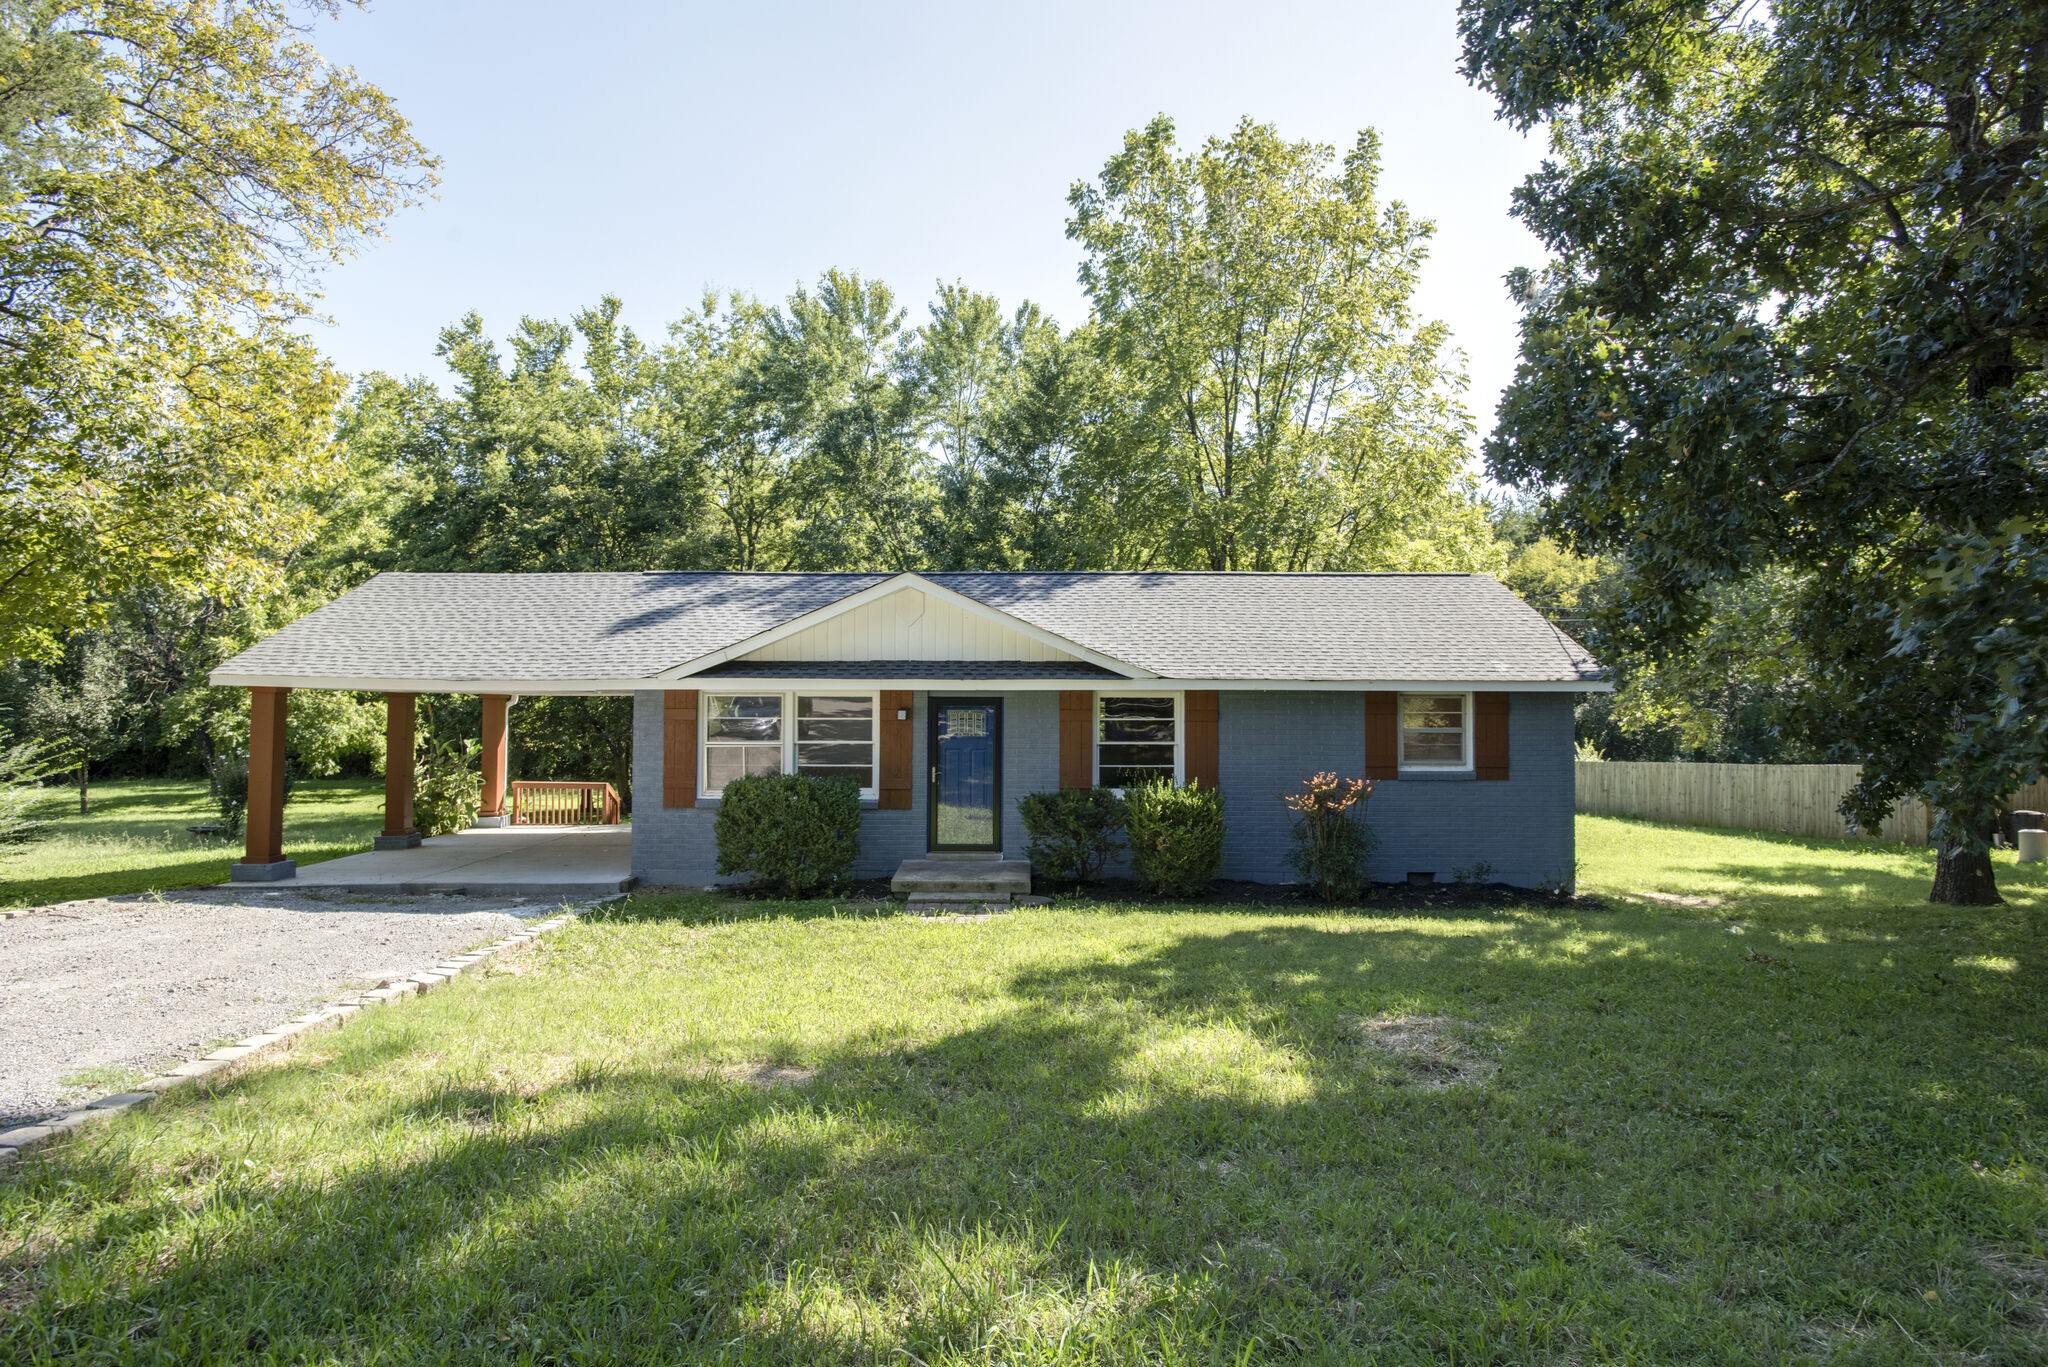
1800 1115
134 839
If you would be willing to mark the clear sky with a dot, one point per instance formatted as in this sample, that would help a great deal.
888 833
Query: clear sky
651 149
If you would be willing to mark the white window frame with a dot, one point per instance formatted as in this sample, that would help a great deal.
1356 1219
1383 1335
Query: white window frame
1180 729
1464 763
789 726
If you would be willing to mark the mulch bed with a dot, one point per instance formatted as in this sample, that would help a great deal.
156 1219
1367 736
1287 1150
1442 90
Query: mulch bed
1378 897
1240 893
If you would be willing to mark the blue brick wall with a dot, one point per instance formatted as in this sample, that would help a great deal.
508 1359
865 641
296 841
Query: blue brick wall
676 846
1269 741
1522 825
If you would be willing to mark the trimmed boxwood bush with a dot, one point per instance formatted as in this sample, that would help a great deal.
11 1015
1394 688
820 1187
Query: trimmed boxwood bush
1074 831
787 832
1176 836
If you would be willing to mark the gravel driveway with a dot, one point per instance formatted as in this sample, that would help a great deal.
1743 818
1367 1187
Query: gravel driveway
93 992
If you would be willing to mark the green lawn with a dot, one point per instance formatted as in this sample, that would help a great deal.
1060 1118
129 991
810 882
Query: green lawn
134 839
1801 1116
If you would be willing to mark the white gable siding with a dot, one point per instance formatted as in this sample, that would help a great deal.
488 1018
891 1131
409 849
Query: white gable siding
908 625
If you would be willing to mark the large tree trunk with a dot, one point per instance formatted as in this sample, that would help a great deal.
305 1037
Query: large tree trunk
1962 864
1963 878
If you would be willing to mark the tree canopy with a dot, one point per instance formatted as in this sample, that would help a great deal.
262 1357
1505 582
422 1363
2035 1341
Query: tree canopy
170 176
1292 412
1795 328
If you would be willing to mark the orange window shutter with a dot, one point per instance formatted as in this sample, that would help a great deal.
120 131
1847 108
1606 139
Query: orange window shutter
1382 735
1490 735
1202 754
893 781
1077 739
679 748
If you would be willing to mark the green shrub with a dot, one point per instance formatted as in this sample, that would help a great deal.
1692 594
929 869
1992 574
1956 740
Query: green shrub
1176 836
1074 831
1332 843
448 787
229 776
25 769
788 832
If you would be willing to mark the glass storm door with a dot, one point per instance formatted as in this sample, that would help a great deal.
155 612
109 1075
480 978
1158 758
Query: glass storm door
967 773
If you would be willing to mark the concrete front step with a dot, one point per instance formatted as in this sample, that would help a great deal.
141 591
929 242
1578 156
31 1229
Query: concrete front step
981 880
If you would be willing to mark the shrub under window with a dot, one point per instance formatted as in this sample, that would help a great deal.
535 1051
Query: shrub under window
788 832
1176 836
1074 831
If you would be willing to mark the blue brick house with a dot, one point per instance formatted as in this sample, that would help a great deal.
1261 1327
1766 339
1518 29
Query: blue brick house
947 697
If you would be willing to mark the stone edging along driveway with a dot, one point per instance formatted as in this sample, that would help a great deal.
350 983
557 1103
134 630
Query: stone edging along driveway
272 1041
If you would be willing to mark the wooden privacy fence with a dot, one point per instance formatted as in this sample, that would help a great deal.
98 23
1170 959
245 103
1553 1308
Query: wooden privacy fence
1795 799
564 804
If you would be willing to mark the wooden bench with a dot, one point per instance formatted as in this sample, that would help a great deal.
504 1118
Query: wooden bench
564 804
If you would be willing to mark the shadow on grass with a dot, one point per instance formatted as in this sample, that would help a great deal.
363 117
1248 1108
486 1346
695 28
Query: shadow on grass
174 871
1191 1153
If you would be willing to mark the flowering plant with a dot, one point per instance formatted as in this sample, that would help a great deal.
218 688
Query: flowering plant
1332 842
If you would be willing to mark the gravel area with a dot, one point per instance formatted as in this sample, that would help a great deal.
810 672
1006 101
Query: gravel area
94 993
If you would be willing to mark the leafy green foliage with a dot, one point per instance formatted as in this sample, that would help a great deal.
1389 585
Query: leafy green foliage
791 833
228 778
448 786
1176 834
1074 831
1333 844
1795 328
170 176
1289 410
80 706
26 768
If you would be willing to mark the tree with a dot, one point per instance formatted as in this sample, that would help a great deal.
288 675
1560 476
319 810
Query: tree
170 176
832 381
1795 323
80 707
1292 412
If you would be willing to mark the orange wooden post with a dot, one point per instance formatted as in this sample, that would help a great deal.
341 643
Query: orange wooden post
263 858
497 744
399 761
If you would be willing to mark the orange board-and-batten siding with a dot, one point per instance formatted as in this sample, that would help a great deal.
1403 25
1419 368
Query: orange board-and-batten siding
679 747
893 782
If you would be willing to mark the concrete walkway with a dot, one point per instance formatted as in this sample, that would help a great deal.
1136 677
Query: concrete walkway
567 862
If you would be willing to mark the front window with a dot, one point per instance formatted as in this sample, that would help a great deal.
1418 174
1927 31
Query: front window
1434 731
835 738
1136 739
742 735
820 735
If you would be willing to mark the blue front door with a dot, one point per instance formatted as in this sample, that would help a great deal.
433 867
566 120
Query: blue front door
966 796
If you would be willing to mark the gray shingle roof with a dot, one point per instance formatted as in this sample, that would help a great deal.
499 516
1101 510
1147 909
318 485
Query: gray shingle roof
452 628
1420 627
964 670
